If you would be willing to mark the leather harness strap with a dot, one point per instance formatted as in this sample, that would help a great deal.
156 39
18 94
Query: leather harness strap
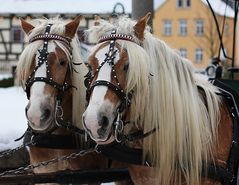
56 141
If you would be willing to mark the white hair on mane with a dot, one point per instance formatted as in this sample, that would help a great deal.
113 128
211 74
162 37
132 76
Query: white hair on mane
28 54
167 97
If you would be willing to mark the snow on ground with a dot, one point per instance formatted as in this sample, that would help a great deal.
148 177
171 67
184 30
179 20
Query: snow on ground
4 76
12 116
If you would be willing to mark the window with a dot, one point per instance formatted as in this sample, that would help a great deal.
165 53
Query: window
180 3
183 3
183 52
188 3
17 34
167 27
183 27
199 27
198 55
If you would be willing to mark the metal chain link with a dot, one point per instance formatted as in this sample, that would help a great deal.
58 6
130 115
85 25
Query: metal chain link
73 155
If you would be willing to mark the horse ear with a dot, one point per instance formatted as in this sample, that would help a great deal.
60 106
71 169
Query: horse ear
72 26
97 20
141 25
26 27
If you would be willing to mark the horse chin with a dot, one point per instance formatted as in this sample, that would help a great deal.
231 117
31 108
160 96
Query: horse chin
44 128
102 141
106 141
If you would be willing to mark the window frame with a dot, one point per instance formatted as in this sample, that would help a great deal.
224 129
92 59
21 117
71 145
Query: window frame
188 3
167 27
183 27
183 52
178 4
198 55
199 27
16 34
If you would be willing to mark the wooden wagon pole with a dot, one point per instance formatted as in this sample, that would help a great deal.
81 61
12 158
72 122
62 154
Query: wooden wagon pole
72 177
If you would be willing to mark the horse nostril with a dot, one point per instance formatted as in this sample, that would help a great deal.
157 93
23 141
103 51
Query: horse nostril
104 122
46 114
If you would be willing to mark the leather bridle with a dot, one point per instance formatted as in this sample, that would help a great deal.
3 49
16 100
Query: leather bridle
61 88
109 60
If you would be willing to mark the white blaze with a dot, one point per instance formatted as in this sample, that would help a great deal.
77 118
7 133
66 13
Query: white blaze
37 96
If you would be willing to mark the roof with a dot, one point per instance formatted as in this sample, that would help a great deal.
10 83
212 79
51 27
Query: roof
61 6
219 7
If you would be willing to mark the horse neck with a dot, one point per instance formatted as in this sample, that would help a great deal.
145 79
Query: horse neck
131 127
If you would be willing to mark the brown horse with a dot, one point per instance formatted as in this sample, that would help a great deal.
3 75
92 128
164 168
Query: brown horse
137 79
54 84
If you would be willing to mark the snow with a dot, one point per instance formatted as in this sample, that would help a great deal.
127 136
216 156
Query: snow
61 6
219 7
65 6
4 76
13 121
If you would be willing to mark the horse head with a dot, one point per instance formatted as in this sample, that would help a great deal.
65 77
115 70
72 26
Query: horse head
109 97
45 70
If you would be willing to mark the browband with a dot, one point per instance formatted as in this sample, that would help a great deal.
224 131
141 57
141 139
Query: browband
47 36
114 36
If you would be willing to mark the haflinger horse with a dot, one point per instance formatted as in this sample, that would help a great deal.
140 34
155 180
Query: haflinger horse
54 84
138 83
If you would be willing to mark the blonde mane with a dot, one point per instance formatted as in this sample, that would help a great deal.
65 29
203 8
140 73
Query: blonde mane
28 54
166 97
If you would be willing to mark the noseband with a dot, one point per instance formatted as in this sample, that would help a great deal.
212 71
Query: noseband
42 58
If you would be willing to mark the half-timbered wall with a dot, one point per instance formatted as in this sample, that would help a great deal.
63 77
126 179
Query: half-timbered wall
12 38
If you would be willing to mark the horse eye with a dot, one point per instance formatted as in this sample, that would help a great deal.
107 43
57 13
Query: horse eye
126 67
62 62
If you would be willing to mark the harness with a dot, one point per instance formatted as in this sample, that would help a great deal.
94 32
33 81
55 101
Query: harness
228 176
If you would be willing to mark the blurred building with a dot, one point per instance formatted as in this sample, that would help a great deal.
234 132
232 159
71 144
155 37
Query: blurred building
12 38
188 26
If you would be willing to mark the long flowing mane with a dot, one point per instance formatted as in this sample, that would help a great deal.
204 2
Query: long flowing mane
167 97
30 51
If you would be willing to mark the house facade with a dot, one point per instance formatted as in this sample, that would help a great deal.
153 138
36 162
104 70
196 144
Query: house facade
188 27
12 40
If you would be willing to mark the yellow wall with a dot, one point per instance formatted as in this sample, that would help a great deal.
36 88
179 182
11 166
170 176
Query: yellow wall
198 10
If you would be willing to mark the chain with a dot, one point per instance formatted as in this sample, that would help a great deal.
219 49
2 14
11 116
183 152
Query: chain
74 155
10 152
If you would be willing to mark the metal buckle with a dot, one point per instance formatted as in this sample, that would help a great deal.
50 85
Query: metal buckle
119 127
58 113
33 142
